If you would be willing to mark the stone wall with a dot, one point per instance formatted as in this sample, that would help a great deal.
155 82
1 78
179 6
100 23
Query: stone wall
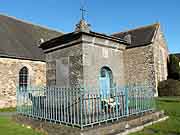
147 64
160 52
9 78
98 53
81 63
64 66
139 65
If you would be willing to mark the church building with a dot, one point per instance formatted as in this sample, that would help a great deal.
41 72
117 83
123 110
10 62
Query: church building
32 55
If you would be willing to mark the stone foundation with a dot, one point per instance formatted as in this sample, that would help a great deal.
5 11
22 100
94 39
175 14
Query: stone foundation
118 127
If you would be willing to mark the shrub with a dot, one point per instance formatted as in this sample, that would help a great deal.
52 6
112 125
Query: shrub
173 67
169 87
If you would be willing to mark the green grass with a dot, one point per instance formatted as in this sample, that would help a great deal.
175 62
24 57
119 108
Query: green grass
8 110
171 106
8 127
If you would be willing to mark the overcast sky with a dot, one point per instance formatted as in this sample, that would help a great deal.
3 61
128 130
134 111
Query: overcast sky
105 16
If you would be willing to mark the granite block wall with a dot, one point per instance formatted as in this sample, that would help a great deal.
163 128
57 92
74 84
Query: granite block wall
64 66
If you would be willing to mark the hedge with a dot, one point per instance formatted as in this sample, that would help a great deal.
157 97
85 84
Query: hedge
169 87
173 67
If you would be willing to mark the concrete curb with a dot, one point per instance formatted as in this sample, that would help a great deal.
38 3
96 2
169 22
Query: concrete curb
139 128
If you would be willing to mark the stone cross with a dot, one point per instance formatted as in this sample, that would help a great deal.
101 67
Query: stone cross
82 12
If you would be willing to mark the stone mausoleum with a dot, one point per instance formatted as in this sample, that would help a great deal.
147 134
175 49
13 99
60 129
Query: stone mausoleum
31 55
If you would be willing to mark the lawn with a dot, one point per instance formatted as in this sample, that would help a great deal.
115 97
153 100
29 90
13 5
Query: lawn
8 127
170 126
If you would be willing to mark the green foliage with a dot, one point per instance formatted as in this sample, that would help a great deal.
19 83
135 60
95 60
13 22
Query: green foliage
169 87
169 127
173 67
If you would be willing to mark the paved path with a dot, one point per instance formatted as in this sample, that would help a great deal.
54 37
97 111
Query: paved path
7 113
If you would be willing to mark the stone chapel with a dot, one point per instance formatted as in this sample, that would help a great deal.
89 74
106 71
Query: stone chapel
31 55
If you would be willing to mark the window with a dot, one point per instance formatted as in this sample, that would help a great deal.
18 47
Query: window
23 78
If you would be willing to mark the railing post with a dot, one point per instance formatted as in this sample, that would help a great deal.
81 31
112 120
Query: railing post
127 100
153 101
81 107
17 99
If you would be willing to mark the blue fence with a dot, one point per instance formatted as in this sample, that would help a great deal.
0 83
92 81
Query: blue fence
83 107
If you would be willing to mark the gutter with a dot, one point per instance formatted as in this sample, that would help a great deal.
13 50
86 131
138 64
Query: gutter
21 58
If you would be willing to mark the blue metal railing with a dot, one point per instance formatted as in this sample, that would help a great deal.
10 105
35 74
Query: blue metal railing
83 107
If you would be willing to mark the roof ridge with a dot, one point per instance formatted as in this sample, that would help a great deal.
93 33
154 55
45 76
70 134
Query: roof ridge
137 28
30 23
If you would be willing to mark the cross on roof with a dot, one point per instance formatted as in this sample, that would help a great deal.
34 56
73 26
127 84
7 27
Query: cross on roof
82 12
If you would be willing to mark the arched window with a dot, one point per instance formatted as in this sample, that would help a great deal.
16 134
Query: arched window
23 78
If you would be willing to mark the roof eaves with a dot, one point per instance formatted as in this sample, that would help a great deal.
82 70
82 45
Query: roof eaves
116 39
21 58
141 45
44 45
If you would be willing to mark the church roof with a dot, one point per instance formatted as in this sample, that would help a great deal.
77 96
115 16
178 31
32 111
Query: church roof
19 39
140 36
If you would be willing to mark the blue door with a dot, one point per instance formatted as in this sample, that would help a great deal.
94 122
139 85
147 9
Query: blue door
105 82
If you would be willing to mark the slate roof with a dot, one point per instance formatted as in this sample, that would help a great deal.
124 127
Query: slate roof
140 36
19 39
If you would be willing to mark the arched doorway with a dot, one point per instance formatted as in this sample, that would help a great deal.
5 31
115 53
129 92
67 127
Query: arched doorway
106 81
